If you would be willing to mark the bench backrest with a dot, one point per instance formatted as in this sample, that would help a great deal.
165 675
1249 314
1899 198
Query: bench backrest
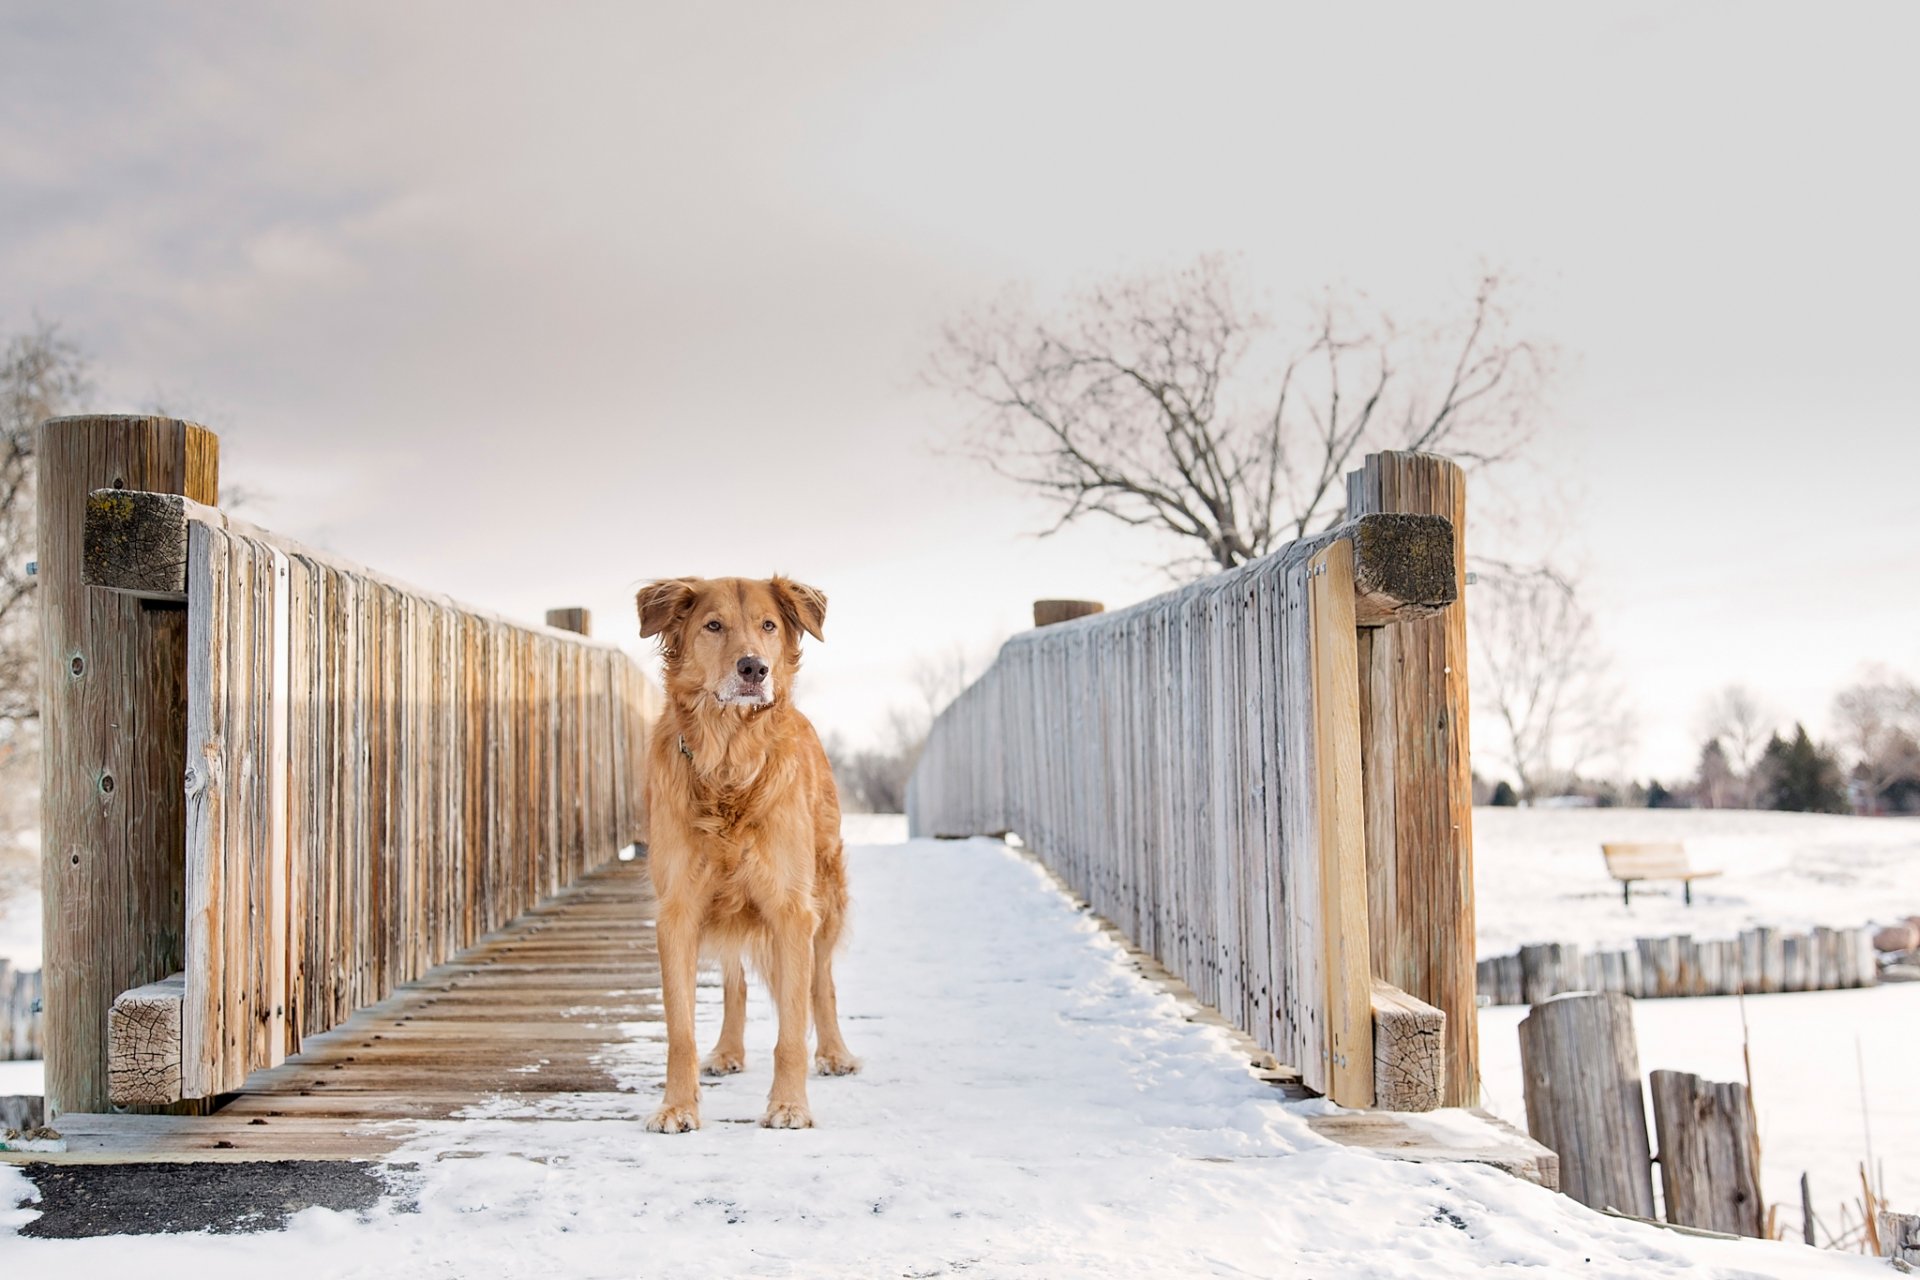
1652 861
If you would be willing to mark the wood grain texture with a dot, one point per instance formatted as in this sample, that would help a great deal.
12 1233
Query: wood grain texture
1417 775
500 1026
1409 1051
381 776
136 543
1340 820
1580 1068
1403 567
143 1043
576 619
113 673
1899 1236
1161 760
375 775
1758 961
1709 1154
1048 612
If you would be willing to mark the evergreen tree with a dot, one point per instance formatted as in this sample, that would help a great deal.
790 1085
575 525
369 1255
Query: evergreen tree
1503 795
1801 775
1714 784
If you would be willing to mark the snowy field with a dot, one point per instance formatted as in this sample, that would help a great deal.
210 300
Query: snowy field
1806 1082
1539 877
21 1077
20 928
1030 1107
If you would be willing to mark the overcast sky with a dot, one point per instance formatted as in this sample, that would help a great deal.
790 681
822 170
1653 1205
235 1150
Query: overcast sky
534 303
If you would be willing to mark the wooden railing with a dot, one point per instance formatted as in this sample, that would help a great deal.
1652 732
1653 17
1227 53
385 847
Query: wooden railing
374 776
1204 767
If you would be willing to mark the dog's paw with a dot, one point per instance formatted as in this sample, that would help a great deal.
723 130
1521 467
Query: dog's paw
835 1062
722 1062
671 1119
787 1115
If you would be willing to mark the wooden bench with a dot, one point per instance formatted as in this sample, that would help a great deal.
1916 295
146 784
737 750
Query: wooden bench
1630 862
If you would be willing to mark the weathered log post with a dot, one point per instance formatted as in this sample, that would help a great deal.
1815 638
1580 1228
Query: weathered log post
1048 612
1580 1067
577 620
113 673
1416 778
1899 1236
1709 1154
20 1020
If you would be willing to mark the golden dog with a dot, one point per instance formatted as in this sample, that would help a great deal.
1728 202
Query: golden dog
744 841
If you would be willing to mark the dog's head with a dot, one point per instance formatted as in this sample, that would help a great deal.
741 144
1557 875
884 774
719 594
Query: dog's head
735 641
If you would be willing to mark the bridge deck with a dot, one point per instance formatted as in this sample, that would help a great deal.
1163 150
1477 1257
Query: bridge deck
530 1013
554 1018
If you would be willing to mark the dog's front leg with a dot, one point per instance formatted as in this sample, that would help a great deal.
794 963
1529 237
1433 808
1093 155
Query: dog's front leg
679 943
792 982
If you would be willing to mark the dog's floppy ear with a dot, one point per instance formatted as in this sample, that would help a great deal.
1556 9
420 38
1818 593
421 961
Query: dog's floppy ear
805 607
664 603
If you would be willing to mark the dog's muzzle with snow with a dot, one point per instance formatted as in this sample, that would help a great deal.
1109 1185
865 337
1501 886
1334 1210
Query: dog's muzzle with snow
747 686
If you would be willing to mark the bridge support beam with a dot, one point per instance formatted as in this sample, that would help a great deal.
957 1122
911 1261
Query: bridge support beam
113 718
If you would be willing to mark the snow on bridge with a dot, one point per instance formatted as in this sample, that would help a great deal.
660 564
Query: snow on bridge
1031 1104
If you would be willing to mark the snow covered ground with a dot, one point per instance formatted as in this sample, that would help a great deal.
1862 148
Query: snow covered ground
21 1077
20 928
1539 877
1030 1106
1809 1051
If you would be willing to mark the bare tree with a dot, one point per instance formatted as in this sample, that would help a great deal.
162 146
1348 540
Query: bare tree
1541 672
1741 723
1878 720
874 779
42 374
1165 402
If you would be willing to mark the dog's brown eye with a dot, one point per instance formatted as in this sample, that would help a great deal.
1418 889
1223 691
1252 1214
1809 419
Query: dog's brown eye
714 625
767 625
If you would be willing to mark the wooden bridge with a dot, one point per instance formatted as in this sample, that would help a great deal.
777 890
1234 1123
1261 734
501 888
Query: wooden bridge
324 850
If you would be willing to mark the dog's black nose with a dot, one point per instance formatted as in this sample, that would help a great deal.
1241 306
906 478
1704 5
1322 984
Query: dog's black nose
752 669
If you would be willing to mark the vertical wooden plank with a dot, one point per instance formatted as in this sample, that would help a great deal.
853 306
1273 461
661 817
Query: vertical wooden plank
1304 981
240 760
1341 834
279 849
206 786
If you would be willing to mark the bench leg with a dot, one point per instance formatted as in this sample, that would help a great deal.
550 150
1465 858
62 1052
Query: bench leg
1626 892
1686 891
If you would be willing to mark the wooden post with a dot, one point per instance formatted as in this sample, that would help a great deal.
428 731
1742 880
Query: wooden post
1709 1154
1416 777
1048 612
1900 1236
113 712
1580 1067
577 620
1806 1211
